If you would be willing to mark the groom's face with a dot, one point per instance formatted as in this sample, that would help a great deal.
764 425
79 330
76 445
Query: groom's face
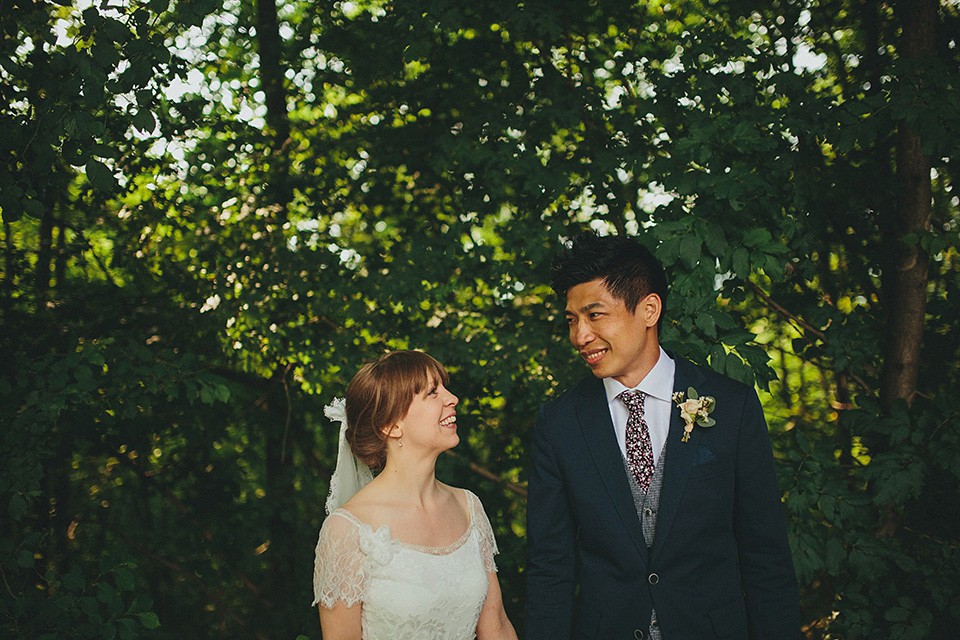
614 341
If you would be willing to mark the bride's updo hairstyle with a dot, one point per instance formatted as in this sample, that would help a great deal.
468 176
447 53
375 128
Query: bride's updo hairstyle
379 396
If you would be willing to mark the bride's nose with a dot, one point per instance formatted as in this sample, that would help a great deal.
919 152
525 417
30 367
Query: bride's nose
451 399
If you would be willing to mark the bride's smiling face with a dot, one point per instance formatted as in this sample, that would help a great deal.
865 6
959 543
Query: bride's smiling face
431 420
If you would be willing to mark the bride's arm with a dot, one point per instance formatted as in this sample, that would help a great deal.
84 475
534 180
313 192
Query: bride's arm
493 623
339 580
341 622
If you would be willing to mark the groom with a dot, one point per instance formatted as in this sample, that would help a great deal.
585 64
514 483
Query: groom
637 530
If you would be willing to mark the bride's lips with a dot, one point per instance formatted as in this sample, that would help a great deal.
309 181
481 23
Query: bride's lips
449 422
593 356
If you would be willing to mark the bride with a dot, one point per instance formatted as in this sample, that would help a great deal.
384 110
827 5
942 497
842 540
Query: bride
402 555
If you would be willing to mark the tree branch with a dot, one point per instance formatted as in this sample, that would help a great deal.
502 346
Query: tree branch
776 307
490 475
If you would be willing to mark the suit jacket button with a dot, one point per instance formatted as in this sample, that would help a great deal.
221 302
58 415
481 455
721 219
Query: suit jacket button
638 634
653 578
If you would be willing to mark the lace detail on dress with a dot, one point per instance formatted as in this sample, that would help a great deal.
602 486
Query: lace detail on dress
488 543
338 568
408 592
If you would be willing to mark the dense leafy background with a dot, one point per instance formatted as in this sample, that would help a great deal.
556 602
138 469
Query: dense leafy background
215 211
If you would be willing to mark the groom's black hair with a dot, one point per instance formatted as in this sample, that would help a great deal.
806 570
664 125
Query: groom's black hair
628 269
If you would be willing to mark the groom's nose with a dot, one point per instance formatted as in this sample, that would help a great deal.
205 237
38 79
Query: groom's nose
581 334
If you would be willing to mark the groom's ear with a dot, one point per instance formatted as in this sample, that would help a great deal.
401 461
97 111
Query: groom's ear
650 309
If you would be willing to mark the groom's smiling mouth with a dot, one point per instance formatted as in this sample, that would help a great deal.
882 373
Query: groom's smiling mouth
592 357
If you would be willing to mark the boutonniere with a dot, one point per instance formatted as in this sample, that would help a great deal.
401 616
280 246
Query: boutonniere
694 410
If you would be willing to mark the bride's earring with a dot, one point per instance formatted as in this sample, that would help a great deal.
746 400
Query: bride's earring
389 433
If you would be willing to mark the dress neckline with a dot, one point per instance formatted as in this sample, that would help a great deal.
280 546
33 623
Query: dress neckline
433 551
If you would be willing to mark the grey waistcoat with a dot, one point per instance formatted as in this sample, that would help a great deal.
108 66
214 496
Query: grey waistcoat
647 505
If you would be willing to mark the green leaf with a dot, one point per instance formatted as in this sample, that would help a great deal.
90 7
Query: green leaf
128 628
73 580
100 176
896 614
669 251
125 580
17 507
89 606
114 30
836 554
33 207
716 241
690 250
757 237
741 263
25 558
109 631
149 620
706 324
737 337
906 563
144 121
105 593
718 356
737 370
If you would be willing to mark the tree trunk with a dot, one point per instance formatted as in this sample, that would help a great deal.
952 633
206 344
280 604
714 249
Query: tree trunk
279 193
8 257
279 487
44 257
908 281
60 257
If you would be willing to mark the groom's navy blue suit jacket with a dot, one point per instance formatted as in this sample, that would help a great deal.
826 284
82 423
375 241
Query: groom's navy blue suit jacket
720 566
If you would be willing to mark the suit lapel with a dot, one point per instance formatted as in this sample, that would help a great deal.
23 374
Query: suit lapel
679 457
597 428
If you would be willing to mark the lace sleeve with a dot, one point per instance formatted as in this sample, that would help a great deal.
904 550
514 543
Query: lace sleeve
488 544
338 569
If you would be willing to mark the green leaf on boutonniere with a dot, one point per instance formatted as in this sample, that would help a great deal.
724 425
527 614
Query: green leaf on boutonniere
692 393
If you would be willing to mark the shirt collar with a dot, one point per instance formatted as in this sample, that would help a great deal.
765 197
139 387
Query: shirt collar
657 383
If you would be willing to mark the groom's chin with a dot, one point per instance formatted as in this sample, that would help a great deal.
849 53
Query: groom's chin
597 371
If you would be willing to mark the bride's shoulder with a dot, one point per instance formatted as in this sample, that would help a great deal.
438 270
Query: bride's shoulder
372 506
466 500
339 528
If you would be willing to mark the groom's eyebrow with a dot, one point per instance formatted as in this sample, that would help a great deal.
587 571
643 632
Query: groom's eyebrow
585 308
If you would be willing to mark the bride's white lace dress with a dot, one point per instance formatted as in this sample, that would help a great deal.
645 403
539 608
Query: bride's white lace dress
408 592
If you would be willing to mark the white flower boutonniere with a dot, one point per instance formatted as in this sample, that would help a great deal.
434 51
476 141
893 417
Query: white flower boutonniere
694 410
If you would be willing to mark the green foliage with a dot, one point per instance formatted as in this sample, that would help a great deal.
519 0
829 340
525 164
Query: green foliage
48 606
206 233
864 526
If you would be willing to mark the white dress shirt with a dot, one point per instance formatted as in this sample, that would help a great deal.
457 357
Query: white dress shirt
658 385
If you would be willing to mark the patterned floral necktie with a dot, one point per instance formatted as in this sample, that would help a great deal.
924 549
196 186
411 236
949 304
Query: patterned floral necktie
639 449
